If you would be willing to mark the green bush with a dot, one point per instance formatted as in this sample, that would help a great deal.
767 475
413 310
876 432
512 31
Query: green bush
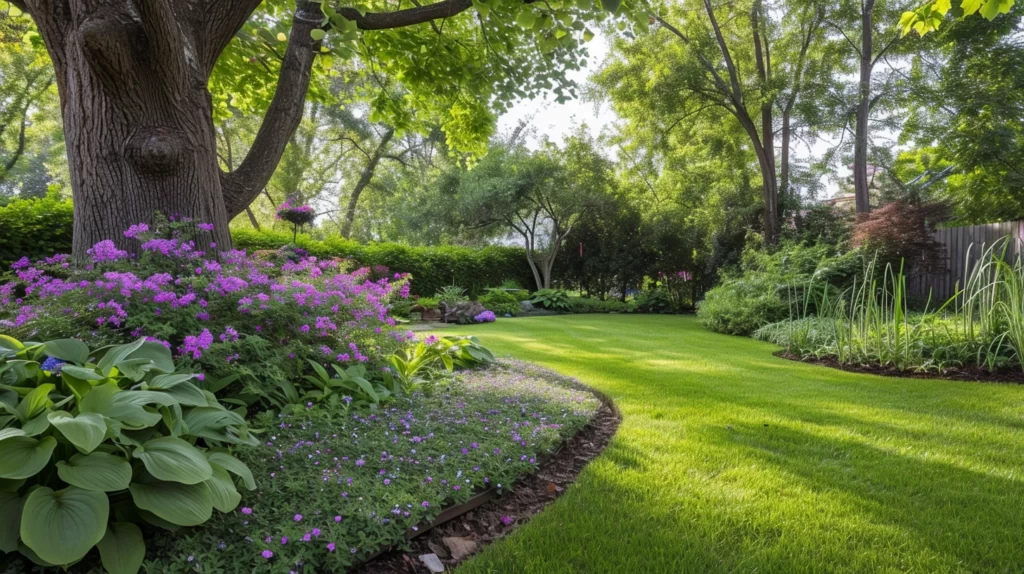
83 425
501 302
432 268
654 301
591 305
740 306
552 300
34 228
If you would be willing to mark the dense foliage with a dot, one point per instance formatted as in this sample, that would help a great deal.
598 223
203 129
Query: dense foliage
325 501
34 227
93 441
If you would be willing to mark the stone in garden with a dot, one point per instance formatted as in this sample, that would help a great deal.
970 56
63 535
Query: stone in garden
462 312
525 306
432 562
460 547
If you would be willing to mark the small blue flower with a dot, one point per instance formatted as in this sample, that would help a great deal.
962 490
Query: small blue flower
52 365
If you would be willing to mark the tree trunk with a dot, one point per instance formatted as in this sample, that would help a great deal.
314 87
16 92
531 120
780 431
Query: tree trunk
861 186
132 77
364 180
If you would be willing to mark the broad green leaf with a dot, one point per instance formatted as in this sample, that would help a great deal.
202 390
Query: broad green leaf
234 466
86 431
172 459
70 350
31 555
10 433
82 373
24 457
181 504
222 490
98 472
317 34
164 382
526 18
101 400
10 520
122 549
10 343
117 354
61 526
187 395
11 485
37 425
35 402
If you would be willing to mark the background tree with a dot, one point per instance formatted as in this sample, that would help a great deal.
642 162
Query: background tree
133 77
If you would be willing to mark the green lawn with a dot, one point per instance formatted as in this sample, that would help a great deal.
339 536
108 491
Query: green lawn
730 459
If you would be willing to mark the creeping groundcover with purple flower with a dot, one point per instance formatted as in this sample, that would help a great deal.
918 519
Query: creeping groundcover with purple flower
333 491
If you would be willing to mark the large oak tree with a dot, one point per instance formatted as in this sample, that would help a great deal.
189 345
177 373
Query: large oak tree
134 76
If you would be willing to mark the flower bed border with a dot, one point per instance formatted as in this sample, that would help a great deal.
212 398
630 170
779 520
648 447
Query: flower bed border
596 435
974 374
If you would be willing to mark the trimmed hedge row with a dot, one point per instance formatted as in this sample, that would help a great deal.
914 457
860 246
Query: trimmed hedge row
432 267
34 227
41 227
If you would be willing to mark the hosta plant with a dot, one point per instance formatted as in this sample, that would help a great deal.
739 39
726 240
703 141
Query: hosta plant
419 365
93 442
552 299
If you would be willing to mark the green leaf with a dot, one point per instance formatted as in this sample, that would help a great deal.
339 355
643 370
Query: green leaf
102 400
526 18
10 433
62 526
122 549
317 34
23 457
98 472
181 504
187 395
222 490
234 466
37 425
35 402
86 431
84 373
115 355
10 520
70 350
9 343
172 459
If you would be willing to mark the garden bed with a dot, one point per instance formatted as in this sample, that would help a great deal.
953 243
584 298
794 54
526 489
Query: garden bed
954 374
490 516
335 488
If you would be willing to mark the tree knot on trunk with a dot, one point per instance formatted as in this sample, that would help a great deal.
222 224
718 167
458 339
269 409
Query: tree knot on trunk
156 151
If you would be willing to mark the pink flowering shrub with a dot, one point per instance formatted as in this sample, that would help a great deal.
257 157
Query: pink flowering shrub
241 320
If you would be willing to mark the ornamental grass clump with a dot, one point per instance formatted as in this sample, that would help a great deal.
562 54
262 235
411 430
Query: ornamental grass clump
243 320
335 487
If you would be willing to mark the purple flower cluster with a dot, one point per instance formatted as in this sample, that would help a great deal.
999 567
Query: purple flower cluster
204 307
297 214
485 317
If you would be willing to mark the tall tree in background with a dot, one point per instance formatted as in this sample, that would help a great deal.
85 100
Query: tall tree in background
133 78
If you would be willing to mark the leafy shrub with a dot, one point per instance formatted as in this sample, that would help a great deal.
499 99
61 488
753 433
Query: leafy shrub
34 227
93 441
452 294
432 268
739 306
501 302
552 299
428 303
654 301
247 321
903 231
483 431
418 366
591 305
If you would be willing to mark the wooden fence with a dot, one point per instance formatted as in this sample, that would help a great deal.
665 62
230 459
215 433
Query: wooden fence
958 243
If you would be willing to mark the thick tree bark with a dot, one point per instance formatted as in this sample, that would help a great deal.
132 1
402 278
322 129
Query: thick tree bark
364 180
861 186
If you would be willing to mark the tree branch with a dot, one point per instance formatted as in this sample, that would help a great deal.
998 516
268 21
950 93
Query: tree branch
221 20
408 16
282 118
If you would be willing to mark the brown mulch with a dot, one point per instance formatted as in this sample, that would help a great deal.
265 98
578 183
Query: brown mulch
974 374
529 496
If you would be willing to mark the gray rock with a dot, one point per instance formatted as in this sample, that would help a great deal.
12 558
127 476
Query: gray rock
432 562
525 306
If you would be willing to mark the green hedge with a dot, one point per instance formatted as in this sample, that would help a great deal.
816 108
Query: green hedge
432 267
34 227
41 227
